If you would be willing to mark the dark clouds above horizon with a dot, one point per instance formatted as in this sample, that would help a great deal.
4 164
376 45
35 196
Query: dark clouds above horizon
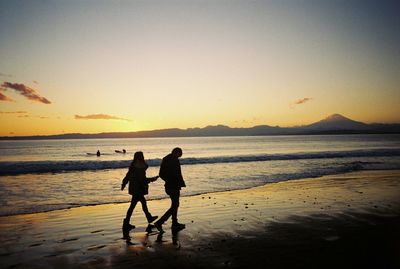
24 90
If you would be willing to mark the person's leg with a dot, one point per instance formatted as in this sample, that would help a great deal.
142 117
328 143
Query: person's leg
149 217
174 205
158 224
130 209
126 227
166 216
173 210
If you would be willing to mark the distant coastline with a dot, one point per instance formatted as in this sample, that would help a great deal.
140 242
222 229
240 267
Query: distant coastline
332 125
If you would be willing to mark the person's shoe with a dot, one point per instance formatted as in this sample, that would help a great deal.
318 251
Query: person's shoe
158 226
126 226
149 228
178 226
152 218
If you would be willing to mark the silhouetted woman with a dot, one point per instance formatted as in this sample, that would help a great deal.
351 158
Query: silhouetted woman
138 188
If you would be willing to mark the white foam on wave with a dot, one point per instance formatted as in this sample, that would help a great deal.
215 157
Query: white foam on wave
29 167
199 184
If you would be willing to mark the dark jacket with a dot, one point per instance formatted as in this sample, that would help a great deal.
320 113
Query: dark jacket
138 182
170 172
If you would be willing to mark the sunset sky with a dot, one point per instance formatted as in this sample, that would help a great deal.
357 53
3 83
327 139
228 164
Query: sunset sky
107 66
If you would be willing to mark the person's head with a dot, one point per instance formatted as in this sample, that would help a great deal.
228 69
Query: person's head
138 157
177 152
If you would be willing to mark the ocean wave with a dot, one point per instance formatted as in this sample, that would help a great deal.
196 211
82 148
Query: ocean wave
230 184
29 167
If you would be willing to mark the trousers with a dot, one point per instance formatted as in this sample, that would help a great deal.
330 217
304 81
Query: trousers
173 210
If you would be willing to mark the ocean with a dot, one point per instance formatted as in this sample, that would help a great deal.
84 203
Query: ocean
44 175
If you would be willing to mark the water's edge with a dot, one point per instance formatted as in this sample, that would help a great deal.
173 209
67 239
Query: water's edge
195 194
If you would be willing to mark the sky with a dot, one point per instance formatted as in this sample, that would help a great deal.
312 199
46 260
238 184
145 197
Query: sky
90 66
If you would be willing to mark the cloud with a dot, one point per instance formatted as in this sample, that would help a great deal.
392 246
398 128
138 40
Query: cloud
13 112
5 98
23 114
302 101
98 117
25 91
32 116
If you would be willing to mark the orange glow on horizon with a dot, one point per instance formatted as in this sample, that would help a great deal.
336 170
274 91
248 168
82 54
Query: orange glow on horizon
158 65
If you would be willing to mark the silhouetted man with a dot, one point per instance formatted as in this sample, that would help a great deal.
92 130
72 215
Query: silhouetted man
170 172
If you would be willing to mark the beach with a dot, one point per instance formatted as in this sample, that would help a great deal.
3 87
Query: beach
335 221
280 118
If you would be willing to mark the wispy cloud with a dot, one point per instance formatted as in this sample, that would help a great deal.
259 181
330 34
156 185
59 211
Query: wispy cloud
23 114
32 116
26 91
13 112
99 117
302 101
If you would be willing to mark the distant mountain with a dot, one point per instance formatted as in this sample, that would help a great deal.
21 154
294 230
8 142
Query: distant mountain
337 122
334 124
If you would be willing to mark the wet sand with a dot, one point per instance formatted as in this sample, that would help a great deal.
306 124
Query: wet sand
350 220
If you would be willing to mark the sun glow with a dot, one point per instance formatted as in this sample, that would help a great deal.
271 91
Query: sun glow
153 65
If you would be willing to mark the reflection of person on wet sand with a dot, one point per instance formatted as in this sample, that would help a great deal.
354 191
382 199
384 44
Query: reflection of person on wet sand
170 172
175 238
138 188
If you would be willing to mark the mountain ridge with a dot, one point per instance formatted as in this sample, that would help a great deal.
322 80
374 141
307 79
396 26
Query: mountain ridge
338 122
333 124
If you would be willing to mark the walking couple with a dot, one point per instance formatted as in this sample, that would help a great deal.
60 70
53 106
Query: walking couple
170 172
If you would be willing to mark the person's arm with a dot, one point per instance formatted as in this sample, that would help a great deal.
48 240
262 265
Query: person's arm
152 179
126 179
179 174
162 172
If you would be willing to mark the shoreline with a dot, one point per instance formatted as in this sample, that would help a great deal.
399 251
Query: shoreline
234 228
197 194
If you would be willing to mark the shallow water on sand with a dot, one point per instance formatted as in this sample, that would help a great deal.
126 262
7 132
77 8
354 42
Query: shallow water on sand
46 175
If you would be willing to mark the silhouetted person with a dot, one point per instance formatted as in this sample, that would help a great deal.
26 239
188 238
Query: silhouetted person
124 151
98 153
138 188
170 172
